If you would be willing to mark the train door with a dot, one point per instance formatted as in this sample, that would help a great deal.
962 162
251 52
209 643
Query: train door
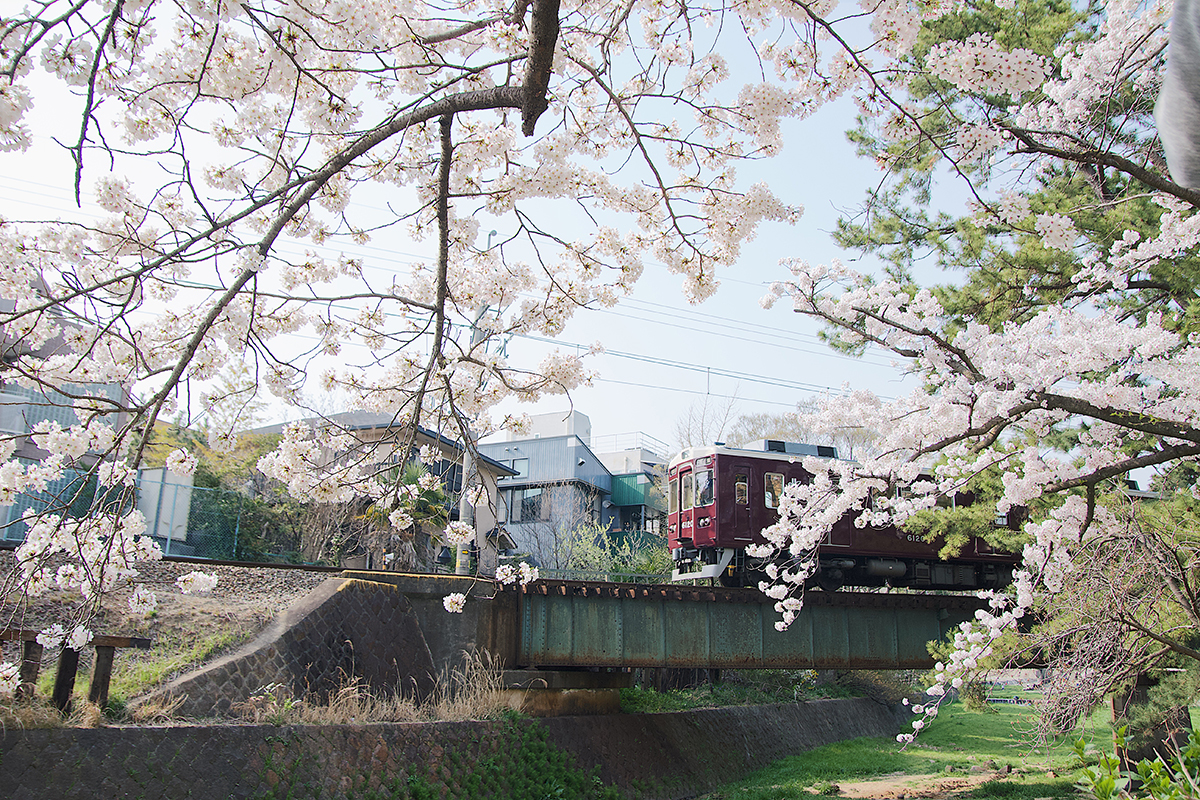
687 505
772 488
735 528
673 509
704 503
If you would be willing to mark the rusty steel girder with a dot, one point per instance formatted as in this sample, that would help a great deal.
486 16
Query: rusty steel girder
577 624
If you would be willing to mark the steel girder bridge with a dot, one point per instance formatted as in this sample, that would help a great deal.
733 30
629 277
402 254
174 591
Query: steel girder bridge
575 624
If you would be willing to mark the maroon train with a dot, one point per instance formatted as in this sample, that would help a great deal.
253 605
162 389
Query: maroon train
720 499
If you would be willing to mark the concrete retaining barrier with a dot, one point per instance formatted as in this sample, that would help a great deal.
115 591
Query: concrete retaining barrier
666 756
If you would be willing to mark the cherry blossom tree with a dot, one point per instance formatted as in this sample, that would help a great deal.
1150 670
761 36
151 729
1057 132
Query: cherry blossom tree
1063 358
226 144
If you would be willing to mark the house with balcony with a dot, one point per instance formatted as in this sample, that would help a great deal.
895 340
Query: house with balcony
638 465
561 485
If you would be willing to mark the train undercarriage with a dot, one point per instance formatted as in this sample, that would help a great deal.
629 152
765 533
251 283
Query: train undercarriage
734 568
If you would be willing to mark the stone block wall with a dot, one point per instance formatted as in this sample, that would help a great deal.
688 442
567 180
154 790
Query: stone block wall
341 631
664 756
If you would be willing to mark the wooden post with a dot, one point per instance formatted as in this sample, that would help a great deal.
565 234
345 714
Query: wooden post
68 665
98 691
31 665
64 679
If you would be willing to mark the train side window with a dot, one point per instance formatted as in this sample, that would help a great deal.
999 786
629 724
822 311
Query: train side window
686 495
741 489
704 488
673 496
773 488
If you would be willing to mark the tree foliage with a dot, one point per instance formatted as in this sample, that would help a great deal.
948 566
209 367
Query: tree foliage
1056 356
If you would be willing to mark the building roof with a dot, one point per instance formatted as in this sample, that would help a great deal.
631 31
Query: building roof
371 420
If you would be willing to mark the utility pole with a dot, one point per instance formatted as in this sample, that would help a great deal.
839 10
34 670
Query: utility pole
466 511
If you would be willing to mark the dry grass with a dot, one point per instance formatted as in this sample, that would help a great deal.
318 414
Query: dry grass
353 703
39 712
157 710
472 692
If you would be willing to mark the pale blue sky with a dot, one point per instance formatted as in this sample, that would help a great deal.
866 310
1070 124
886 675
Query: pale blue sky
730 335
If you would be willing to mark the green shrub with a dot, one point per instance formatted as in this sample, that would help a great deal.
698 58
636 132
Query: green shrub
1156 779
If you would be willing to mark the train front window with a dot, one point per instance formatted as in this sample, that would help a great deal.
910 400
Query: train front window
741 490
685 491
673 496
773 488
704 488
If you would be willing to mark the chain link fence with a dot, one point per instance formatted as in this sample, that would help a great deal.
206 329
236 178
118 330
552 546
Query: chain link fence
193 521
184 520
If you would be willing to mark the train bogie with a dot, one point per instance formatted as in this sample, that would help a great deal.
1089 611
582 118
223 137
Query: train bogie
721 498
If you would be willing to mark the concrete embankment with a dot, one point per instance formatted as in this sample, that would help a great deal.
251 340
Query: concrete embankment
664 756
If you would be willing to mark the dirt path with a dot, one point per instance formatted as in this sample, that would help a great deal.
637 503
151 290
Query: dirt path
900 786
903 786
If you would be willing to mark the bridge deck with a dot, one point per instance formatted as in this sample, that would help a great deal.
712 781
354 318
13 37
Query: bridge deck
610 625
582 624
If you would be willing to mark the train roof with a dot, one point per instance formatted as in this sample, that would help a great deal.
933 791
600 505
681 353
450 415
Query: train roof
763 448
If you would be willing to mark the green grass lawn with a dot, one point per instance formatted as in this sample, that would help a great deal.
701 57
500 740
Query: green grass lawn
953 743
736 688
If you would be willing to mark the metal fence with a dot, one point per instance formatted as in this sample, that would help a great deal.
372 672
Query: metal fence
193 521
183 520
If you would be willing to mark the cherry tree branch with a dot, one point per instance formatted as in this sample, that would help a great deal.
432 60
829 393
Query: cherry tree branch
90 99
1103 158
543 35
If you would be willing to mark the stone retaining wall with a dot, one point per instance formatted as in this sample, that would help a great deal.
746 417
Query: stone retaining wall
390 634
342 629
665 756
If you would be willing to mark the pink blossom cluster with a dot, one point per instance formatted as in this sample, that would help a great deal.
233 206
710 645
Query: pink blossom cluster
181 462
10 678
458 533
523 573
1126 50
101 551
977 142
973 642
979 64
196 582
55 637
301 460
1057 231
1013 208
